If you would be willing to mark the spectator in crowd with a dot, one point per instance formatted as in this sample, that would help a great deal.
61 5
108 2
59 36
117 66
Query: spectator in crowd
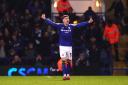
125 28
93 36
118 7
39 61
3 53
81 63
36 6
7 34
105 60
27 15
64 7
38 37
14 18
26 21
30 54
16 43
14 58
3 7
90 13
6 20
112 36
93 40
46 44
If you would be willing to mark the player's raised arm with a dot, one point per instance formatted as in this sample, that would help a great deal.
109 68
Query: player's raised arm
82 24
48 21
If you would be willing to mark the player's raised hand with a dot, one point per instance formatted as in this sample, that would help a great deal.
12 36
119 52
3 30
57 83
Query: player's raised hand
90 20
43 16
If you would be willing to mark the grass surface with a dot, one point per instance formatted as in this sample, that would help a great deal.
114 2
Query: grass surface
57 80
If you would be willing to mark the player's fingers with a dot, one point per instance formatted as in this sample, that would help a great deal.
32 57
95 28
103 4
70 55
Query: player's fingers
91 20
43 16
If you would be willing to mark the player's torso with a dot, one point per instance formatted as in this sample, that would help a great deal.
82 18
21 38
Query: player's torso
65 35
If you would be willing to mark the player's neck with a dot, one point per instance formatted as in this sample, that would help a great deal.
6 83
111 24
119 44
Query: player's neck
66 24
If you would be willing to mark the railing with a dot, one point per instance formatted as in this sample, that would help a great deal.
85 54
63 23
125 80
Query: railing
55 14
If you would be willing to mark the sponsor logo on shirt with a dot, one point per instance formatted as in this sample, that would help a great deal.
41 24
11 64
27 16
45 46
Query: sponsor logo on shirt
66 30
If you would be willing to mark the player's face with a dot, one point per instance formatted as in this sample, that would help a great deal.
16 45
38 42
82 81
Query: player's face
66 20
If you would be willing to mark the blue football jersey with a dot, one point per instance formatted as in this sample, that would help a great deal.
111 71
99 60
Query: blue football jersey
65 32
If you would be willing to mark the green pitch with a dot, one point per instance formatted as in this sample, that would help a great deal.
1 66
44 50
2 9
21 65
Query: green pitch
57 80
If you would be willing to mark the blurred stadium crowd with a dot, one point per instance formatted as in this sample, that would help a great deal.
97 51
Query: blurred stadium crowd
26 40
